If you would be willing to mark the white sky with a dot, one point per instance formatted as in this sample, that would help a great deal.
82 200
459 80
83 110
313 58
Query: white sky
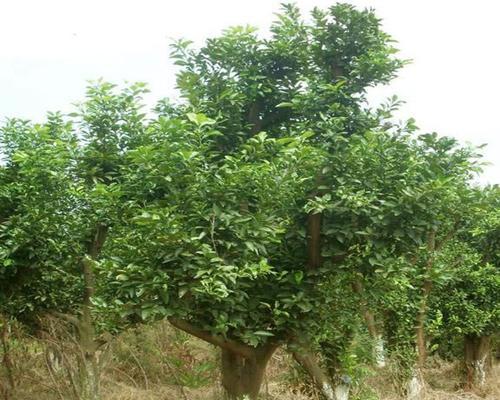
50 48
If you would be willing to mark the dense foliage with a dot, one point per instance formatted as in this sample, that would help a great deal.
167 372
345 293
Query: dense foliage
263 210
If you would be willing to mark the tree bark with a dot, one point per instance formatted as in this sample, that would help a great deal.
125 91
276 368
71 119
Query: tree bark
242 376
378 349
9 387
426 290
477 350
243 366
302 355
314 259
86 380
342 392
89 377
308 361
254 119
415 385
89 365
420 328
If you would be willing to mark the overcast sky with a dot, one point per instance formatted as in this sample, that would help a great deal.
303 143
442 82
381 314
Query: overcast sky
50 48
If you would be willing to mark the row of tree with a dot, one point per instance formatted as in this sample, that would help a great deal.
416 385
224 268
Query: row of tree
269 208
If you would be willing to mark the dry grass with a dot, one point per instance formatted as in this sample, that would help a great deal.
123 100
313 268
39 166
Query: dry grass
159 363
442 383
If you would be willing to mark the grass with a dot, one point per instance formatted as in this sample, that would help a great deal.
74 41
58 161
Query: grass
160 363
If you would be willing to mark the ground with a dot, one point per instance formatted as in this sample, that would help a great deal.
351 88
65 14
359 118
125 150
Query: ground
160 363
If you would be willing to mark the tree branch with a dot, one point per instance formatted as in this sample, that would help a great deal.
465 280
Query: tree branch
93 251
254 118
448 236
67 317
95 246
227 344
314 259
358 288
308 361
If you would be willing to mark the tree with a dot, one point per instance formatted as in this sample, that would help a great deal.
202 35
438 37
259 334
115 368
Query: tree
385 193
61 197
306 76
470 308
199 249
222 210
244 213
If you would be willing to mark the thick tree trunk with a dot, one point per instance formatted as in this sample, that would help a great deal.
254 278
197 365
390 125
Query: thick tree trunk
242 376
89 367
334 366
477 351
243 366
89 378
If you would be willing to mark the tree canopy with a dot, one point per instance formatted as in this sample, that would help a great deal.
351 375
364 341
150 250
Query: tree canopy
258 211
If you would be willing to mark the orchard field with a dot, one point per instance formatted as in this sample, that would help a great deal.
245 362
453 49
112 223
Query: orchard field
268 235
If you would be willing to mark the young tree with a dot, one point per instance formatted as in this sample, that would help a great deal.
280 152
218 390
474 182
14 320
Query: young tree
442 209
470 309
60 197
385 193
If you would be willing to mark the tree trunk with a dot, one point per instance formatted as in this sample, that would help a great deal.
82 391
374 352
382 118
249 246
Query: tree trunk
415 385
342 392
90 368
426 290
307 360
243 366
242 376
89 378
8 388
314 259
477 350
378 349
420 328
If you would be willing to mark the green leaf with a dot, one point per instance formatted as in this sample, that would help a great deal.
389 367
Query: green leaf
200 119
263 333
